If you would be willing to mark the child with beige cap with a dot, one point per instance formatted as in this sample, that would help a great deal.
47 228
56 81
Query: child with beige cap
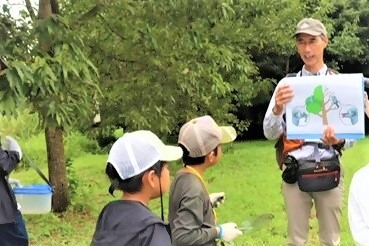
191 215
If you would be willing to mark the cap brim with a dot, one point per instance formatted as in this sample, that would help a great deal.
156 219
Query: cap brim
312 33
229 134
170 153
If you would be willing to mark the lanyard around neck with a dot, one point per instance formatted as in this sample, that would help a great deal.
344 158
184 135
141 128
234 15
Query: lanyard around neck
198 175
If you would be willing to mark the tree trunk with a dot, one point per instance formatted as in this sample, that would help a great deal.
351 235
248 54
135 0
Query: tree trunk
54 134
324 115
44 9
57 168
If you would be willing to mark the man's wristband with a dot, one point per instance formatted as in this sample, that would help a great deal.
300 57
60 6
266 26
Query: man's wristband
220 235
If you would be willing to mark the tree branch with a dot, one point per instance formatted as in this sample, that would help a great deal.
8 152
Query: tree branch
94 11
121 36
325 92
90 14
30 9
330 108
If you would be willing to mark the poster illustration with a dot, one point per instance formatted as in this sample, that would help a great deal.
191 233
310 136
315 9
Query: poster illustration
320 101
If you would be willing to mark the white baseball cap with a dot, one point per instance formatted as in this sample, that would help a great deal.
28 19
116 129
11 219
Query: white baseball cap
137 151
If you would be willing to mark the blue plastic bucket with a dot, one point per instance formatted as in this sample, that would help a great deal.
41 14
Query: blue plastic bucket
33 189
34 199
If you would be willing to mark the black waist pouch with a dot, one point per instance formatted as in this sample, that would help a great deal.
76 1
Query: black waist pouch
318 176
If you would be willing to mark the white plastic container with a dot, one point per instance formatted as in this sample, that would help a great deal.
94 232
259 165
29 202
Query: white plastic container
34 199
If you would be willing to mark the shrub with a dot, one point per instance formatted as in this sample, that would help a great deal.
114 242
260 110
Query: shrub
34 149
22 125
76 144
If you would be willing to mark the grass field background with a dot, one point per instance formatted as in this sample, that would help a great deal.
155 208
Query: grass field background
247 173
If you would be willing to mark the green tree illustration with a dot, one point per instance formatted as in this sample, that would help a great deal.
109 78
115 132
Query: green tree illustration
320 103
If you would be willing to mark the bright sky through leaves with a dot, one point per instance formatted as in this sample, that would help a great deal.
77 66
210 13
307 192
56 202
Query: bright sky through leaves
16 6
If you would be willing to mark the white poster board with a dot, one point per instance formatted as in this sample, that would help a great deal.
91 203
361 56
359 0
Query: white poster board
319 101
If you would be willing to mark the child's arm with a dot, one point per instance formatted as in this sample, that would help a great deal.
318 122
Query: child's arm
189 227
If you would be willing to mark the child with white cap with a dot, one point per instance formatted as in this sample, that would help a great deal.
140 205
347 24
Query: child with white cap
191 215
137 165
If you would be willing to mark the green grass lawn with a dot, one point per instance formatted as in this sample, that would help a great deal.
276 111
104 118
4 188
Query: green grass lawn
248 174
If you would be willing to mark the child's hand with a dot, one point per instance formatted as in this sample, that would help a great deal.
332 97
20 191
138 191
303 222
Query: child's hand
216 199
228 232
14 146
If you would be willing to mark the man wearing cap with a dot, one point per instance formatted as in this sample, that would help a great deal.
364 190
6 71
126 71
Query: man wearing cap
137 165
311 40
191 215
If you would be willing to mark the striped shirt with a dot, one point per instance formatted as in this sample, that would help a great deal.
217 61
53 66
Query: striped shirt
274 126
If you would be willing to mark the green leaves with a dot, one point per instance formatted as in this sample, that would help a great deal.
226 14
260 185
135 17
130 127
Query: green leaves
161 64
314 103
54 76
312 106
318 94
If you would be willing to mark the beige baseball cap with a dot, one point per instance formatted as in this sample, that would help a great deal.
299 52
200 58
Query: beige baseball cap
311 26
201 135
